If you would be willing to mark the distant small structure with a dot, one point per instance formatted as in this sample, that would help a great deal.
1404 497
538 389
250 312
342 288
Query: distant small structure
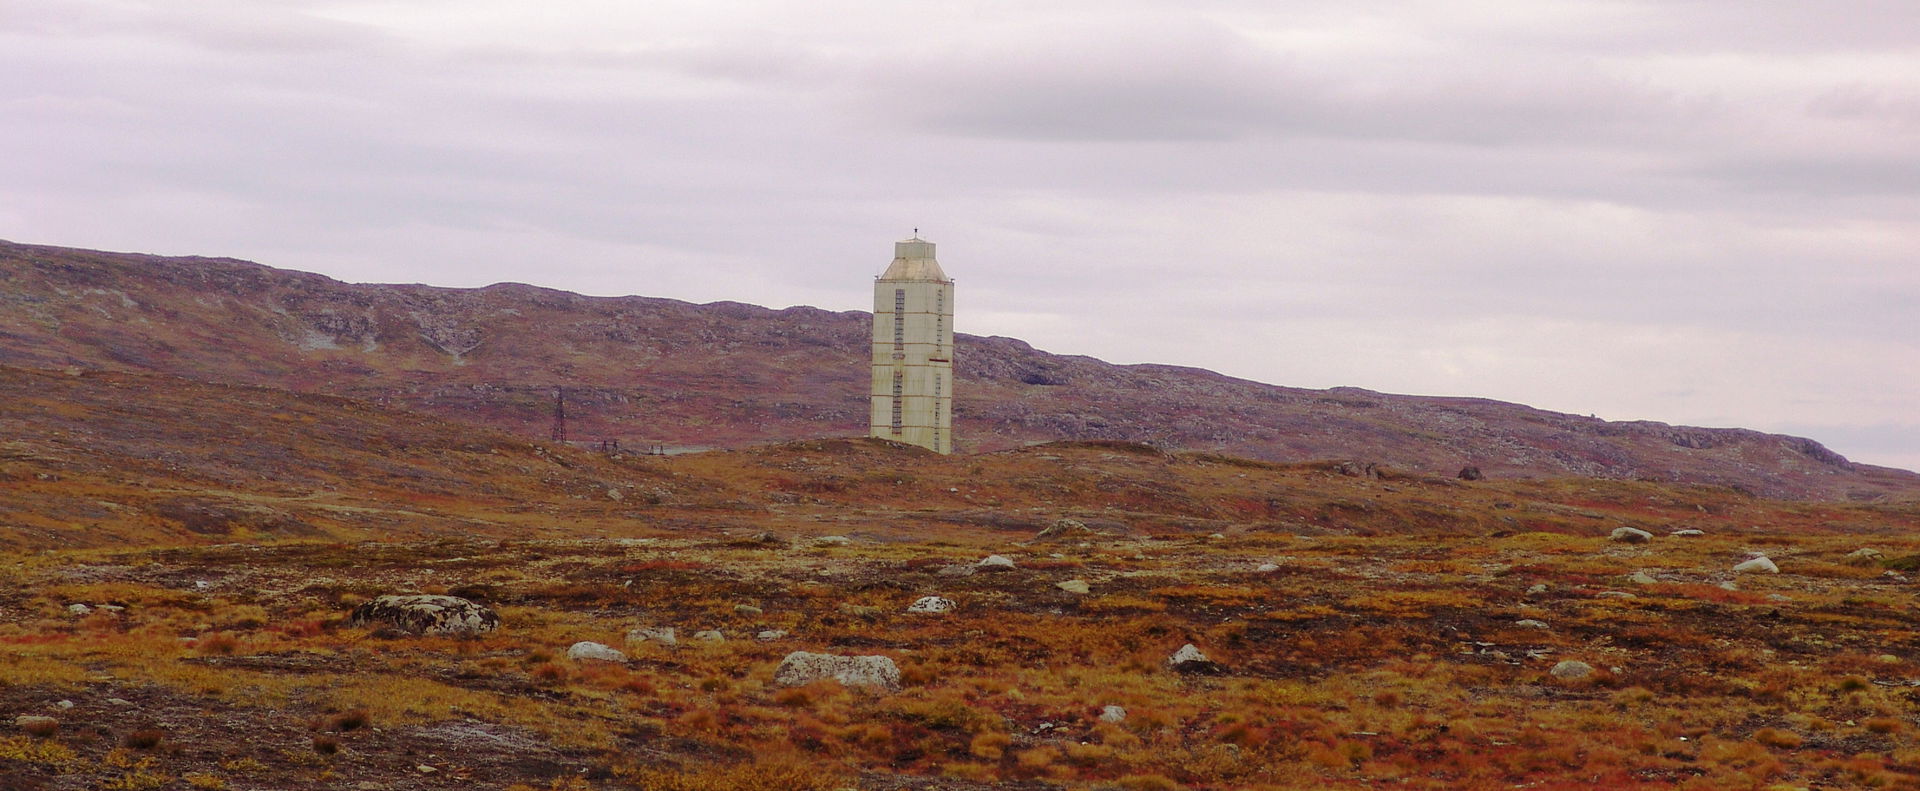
912 394
559 414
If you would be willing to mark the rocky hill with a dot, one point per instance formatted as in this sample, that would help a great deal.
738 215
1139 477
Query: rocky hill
659 371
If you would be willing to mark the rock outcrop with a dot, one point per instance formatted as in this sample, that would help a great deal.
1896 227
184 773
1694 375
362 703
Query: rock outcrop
425 614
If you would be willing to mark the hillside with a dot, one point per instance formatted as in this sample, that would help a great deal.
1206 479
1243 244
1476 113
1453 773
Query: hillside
646 370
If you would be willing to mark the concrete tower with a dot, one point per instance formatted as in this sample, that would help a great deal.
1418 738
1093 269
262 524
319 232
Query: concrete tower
913 350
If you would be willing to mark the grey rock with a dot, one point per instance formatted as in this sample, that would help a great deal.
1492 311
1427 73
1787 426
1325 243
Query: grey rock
769 635
710 636
995 563
1758 565
1864 556
1630 535
748 610
1571 669
1538 589
1614 595
1063 529
931 605
425 615
1529 623
1074 586
1641 578
1189 659
79 609
1113 714
1267 568
957 570
596 652
803 667
1687 533
663 635
832 541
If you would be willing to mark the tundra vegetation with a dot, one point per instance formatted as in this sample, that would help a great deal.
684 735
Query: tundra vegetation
179 619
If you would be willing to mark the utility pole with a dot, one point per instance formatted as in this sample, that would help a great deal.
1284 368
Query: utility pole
559 414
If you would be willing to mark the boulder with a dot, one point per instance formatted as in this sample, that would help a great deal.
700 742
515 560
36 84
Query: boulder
79 609
748 610
803 667
1571 669
36 725
1864 556
1115 714
995 563
422 614
710 636
1074 586
1189 660
652 634
832 541
1687 532
1470 473
767 635
1267 568
1063 530
1529 623
1630 535
1641 578
596 652
957 570
1757 565
931 605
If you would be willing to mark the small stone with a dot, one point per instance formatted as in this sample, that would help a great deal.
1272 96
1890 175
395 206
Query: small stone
1267 568
769 635
931 605
1529 623
1887 659
764 537
64 704
119 702
1729 586
1615 595
1641 578
79 609
1074 586
1538 589
748 610
615 495
1758 565
652 634
1217 536
1189 659
594 652
1114 714
957 570
1571 669
710 636
1687 532
1630 535
1779 597
425 769
995 563
803 667
832 541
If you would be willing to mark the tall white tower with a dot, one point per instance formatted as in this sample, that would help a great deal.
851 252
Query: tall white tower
913 350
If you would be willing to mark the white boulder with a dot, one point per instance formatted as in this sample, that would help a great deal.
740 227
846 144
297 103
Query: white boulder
931 605
1757 565
595 652
804 667
1630 535
652 634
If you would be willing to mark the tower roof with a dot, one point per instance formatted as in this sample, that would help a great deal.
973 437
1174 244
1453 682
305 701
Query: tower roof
913 260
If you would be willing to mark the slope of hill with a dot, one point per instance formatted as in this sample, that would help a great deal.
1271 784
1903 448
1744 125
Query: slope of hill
647 370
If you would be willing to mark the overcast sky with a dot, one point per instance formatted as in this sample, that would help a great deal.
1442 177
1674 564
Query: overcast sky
1693 211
